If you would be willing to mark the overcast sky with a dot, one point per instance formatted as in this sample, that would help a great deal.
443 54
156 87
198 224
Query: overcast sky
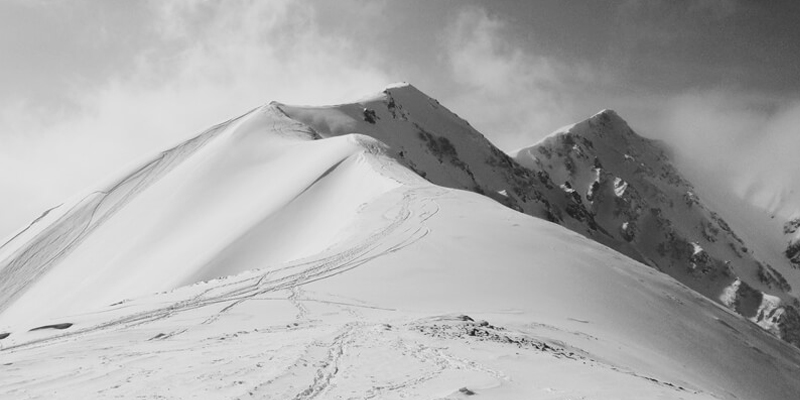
89 87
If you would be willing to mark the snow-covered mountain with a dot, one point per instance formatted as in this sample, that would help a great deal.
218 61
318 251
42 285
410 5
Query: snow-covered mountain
297 252
655 215
597 178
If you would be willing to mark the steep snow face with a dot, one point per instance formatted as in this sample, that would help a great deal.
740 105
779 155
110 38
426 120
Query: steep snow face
232 199
653 214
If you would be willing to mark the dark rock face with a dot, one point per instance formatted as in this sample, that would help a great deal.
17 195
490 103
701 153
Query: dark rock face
448 152
634 195
792 252
369 116
789 325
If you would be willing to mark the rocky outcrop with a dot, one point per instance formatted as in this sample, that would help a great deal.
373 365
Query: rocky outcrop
650 212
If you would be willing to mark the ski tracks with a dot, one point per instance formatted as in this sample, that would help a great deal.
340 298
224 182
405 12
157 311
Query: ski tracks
318 366
329 367
317 370
443 361
302 310
405 226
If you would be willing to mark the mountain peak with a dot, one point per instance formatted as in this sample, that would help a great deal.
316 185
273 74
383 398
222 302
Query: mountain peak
605 124
609 117
608 122
397 89
398 85
606 112
405 92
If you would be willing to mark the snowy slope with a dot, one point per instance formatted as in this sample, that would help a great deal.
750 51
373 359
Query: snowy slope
219 204
565 316
293 261
656 216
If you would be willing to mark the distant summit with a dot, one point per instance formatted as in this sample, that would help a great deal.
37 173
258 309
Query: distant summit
647 210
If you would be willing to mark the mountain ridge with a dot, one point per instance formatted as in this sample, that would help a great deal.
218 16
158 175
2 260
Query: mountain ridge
334 251
522 182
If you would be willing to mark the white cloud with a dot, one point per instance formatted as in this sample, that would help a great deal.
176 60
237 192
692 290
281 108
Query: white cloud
744 142
504 87
214 61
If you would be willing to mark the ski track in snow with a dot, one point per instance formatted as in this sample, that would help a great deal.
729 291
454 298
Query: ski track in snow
316 371
302 311
405 227
329 367
321 359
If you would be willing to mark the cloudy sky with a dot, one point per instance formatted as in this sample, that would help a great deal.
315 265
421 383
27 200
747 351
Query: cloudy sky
88 87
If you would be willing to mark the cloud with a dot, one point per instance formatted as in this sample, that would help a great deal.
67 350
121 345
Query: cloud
212 61
662 21
519 95
741 141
